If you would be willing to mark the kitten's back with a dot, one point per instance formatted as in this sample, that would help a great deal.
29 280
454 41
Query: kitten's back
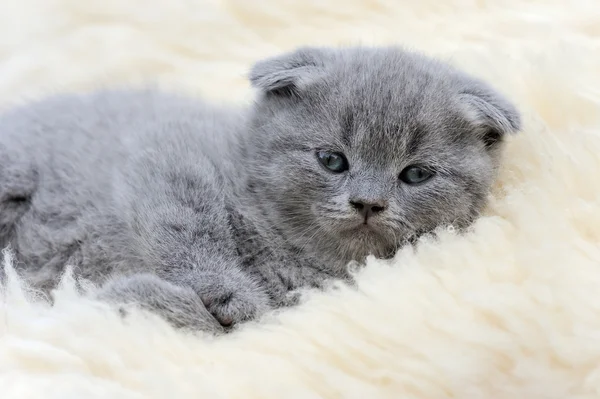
60 158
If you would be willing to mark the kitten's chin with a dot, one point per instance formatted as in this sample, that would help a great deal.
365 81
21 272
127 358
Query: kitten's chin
339 243
365 240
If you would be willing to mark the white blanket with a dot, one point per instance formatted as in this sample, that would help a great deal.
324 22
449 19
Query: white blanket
511 310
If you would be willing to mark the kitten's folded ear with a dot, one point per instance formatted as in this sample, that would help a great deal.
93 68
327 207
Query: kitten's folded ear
493 115
287 74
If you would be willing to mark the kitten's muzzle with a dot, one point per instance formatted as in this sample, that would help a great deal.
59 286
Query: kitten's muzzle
367 208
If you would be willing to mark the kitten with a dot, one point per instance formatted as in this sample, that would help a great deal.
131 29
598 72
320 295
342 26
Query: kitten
211 216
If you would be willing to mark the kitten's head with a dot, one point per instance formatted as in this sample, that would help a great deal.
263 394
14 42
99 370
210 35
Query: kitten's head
353 151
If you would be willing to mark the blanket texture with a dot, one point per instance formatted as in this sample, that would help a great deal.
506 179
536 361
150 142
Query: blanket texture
509 310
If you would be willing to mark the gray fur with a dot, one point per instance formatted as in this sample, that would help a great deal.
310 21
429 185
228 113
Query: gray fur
183 207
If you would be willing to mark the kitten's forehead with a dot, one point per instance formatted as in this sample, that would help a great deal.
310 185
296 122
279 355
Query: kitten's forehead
388 72
386 107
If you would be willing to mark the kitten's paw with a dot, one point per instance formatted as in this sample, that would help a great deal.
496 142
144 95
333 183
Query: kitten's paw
232 298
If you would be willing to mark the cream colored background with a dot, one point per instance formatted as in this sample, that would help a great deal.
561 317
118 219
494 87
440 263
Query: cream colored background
509 311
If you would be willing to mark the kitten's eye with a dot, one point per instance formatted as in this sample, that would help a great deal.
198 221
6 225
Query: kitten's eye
415 175
334 161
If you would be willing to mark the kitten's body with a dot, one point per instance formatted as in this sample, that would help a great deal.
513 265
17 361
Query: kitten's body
91 196
186 206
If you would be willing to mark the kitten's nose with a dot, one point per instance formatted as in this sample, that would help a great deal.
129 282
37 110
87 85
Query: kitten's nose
367 209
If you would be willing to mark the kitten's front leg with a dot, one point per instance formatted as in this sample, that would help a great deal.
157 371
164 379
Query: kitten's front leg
178 305
200 301
286 280
175 209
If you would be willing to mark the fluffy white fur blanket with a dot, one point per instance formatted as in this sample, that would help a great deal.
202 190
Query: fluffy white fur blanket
511 310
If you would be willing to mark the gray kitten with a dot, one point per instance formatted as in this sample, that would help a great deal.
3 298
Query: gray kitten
211 216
